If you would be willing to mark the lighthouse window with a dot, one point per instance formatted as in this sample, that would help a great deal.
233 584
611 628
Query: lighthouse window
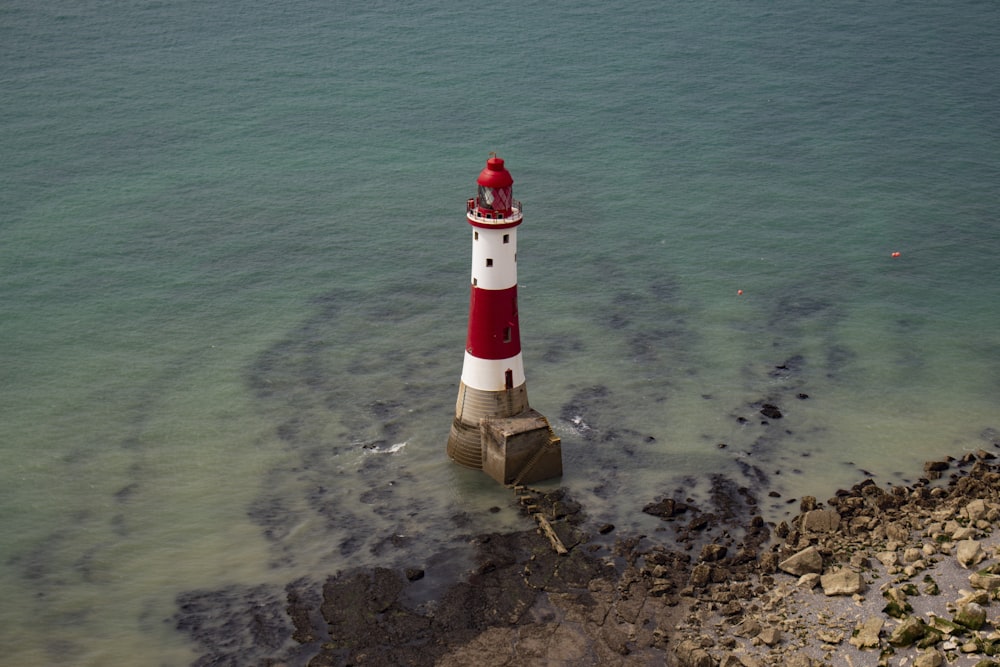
489 261
485 197
475 236
506 334
506 238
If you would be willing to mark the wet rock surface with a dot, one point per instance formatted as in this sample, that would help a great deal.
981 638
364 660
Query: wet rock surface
522 601
874 576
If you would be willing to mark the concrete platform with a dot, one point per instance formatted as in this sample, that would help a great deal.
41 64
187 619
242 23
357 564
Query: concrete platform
522 449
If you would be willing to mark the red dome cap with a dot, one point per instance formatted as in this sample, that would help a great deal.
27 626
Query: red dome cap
495 175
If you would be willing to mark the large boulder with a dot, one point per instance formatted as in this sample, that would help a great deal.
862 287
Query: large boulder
820 521
985 581
691 654
931 658
842 582
971 615
770 635
908 632
976 509
806 561
867 634
968 553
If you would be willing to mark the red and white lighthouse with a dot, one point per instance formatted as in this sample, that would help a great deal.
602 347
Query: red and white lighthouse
492 408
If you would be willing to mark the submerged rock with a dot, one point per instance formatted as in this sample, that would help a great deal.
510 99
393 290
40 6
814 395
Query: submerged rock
936 466
665 509
771 411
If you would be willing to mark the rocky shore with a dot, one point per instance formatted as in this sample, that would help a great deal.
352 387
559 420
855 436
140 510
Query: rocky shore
903 575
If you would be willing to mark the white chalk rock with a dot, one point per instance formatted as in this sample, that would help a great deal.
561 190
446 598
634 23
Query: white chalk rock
842 582
806 561
968 552
820 521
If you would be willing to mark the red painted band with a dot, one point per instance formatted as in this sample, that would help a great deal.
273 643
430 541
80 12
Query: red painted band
493 329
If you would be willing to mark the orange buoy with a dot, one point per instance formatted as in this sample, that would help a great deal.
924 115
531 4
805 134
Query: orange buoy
895 253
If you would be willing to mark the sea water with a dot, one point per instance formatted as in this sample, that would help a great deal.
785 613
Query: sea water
234 276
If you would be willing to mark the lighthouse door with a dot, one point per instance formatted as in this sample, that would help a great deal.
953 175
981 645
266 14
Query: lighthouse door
508 379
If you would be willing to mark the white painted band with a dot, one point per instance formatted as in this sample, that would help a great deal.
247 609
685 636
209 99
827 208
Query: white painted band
491 374
494 263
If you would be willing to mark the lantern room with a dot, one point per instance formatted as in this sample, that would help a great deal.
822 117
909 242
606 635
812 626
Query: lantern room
496 194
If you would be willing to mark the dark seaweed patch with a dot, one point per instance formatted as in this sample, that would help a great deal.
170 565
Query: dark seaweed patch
729 499
349 545
37 564
386 410
236 625
665 288
618 320
566 347
304 602
377 494
393 541
838 356
289 430
274 516
798 307
88 566
126 493
119 525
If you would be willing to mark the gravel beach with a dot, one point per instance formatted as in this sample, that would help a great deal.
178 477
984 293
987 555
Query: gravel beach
903 575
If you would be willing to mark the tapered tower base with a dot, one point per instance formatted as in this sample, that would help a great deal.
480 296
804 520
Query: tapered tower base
496 432
464 441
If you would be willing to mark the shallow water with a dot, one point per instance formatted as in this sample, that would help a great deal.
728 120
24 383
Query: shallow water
234 271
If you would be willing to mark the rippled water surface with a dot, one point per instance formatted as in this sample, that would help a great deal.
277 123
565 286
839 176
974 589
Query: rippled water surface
234 267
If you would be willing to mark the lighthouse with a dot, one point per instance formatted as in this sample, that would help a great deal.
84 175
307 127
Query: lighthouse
495 429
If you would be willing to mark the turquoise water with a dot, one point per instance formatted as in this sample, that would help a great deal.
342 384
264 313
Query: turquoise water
234 266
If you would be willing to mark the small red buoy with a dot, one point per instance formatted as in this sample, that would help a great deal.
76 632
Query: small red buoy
740 292
895 253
